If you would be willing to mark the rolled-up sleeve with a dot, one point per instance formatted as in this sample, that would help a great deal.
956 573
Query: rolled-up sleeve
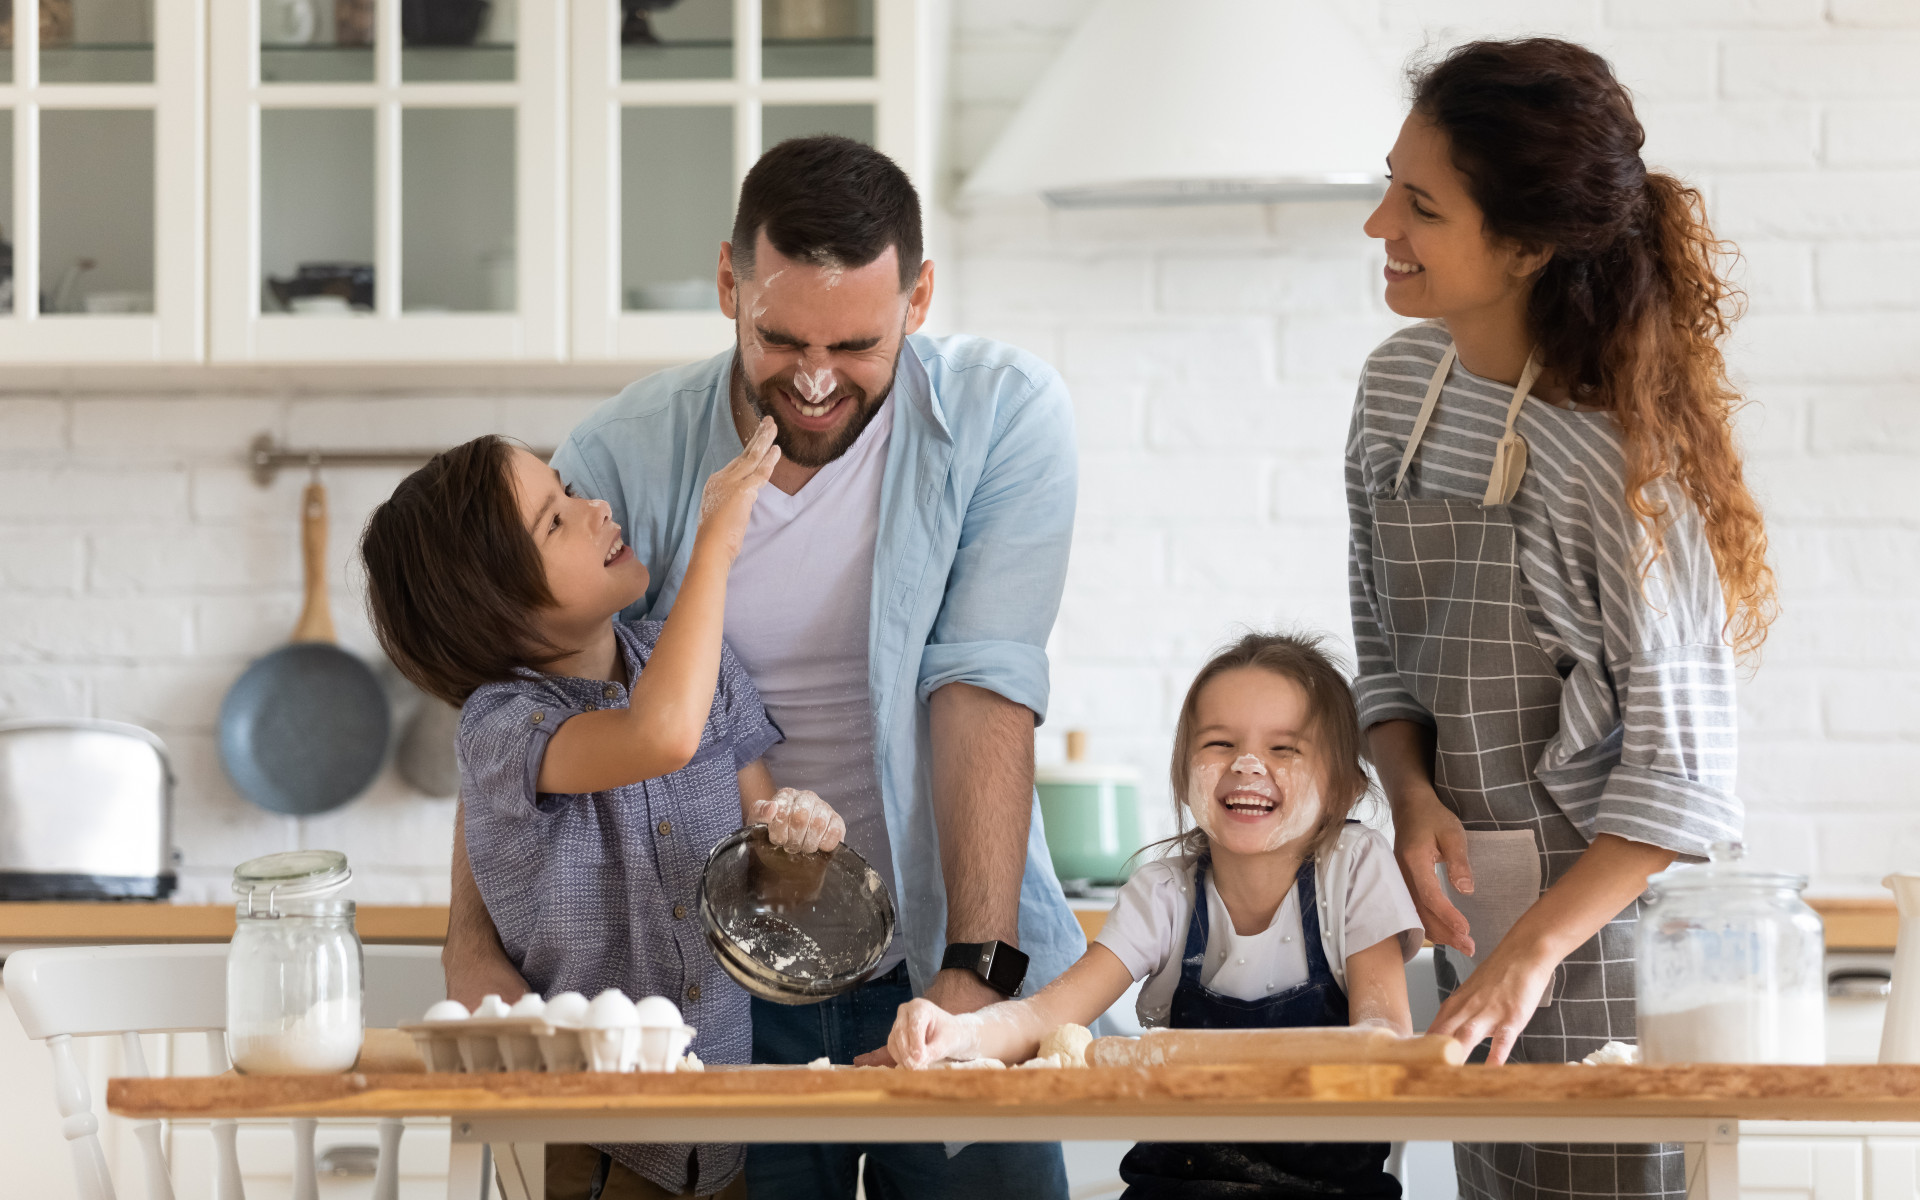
1010 565
1378 692
502 743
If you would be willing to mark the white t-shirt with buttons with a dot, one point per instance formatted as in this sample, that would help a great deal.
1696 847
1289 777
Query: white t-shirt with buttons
1147 929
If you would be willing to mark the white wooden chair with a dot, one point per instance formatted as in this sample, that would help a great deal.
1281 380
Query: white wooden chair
60 994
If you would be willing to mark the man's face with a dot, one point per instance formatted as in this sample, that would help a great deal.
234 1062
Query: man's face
818 341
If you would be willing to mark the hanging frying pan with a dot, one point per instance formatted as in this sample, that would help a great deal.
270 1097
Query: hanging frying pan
305 728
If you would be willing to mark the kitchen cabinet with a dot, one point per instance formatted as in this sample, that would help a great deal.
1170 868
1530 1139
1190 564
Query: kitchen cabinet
664 130
101 209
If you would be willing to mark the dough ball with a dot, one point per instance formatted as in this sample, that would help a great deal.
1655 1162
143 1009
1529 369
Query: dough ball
1070 1042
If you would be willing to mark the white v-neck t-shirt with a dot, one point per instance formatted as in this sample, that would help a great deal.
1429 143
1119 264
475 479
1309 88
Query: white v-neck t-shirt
798 604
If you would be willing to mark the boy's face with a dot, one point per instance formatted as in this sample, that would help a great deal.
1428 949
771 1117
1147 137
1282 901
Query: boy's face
591 571
1253 771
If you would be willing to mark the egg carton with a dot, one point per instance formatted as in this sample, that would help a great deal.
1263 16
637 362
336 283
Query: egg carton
482 1045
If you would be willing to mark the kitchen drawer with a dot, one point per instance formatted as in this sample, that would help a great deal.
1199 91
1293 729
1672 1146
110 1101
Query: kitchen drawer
1782 1168
266 1159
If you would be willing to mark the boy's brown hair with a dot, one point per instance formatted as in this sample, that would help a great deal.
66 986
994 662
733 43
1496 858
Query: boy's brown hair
453 577
1333 724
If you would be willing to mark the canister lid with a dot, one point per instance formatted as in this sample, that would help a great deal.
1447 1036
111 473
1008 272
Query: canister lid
292 875
1725 867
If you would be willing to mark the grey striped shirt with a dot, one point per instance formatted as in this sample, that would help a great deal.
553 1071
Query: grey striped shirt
1645 749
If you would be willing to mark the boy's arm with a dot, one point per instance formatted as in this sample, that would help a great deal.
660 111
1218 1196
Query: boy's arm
475 962
1377 987
660 729
924 1033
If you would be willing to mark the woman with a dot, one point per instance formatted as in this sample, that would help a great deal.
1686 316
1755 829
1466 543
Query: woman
1555 561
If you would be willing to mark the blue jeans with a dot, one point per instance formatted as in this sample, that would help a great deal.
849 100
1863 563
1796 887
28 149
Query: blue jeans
841 1028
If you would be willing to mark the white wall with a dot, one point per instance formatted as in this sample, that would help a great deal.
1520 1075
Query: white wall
1213 354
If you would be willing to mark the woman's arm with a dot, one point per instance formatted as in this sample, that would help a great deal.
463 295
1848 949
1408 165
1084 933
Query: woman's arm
1377 987
659 730
1503 992
924 1033
1425 832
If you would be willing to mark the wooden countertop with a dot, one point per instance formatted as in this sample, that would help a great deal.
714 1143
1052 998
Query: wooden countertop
1832 1093
105 923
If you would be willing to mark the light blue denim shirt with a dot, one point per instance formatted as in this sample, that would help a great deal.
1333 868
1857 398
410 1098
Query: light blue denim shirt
976 515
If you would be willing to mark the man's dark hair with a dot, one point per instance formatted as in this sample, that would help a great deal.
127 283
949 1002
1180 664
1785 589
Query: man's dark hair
453 577
828 199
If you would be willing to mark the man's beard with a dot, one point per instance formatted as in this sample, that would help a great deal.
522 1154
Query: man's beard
803 447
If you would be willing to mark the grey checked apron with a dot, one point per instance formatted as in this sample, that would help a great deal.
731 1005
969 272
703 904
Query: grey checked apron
1453 605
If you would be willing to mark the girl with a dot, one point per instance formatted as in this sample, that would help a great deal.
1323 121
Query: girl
1554 561
600 761
1266 767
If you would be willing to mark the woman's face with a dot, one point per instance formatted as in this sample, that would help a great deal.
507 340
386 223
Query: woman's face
1253 772
591 571
1440 261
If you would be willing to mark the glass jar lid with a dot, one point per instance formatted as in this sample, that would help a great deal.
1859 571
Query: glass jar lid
292 875
1725 868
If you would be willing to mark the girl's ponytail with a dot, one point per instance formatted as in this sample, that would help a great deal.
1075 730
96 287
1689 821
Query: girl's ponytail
1630 310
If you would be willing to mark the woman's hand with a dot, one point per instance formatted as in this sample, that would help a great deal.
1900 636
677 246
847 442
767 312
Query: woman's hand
727 500
1426 832
799 821
924 1034
1498 999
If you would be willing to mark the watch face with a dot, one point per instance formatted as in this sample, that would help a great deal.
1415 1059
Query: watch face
1006 968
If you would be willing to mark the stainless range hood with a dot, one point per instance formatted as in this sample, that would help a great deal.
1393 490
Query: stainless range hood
1205 101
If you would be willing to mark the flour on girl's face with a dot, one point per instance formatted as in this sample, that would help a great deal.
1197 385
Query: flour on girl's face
1293 792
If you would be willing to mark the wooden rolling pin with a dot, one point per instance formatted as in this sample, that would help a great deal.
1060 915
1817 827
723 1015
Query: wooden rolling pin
1284 1047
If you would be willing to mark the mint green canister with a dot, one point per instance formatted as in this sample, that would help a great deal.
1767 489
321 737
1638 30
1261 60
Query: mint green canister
1092 816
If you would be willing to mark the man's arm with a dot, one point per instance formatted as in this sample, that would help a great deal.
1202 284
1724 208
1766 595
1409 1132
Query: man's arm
473 958
982 806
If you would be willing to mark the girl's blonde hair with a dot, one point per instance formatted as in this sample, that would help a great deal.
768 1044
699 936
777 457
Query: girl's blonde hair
1333 725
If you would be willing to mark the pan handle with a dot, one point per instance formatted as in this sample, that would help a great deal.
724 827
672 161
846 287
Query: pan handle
316 616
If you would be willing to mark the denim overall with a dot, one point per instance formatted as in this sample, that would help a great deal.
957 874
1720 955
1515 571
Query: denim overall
1257 1170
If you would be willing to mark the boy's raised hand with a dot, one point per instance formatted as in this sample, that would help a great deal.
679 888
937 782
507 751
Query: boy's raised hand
924 1034
799 821
727 501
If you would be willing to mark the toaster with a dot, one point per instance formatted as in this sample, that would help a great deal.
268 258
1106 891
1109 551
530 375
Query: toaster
86 810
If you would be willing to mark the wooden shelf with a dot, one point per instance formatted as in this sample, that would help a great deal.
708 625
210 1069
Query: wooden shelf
109 923
1864 923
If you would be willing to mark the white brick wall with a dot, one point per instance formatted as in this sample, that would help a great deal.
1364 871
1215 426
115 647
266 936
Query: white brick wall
1212 353
1798 118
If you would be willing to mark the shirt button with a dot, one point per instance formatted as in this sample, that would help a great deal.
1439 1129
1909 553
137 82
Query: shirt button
609 691
1269 987
693 993
589 706
1240 962
539 717
679 912
665 828
1286 937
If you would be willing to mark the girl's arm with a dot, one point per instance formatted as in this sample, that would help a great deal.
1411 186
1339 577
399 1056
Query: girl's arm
924 1033
1501 995
1377 988
659 730
798 821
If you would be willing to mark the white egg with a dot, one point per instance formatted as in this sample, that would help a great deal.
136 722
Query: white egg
568 1010
658 1012
529 1005
491 1006
447 1010
611 1010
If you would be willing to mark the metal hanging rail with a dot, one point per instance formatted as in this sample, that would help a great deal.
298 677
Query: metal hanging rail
267 458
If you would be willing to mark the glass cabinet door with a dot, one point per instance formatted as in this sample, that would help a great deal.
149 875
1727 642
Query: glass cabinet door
101 244
673 101
389 179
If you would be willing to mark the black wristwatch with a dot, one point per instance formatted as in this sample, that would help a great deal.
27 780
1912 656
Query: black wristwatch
1001 966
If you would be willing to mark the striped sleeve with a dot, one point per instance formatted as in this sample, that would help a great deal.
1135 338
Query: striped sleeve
1378 691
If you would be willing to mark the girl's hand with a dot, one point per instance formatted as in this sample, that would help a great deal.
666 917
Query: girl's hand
924 1034
1497 1000
727 500
1426 832
799 821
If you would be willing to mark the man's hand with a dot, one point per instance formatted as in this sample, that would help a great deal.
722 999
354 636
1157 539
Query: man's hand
473 959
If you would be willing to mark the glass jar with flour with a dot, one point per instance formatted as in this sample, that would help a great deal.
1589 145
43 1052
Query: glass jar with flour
1730 966
294 967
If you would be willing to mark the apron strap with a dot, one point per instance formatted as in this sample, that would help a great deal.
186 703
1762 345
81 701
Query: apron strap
1434 385
1510 453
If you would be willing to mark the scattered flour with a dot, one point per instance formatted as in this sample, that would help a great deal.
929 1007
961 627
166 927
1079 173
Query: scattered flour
969 1064
1613 1054
823 1063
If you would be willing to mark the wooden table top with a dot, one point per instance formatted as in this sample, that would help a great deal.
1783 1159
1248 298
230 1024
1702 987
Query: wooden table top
124 922
1834 1093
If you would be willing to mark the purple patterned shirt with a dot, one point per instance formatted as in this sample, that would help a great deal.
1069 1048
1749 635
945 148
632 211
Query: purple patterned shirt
597 891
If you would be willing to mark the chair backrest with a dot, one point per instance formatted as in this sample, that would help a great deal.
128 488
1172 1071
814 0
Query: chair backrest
60 994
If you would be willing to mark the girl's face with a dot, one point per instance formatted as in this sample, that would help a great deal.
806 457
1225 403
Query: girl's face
1254 774
591 571
1440 260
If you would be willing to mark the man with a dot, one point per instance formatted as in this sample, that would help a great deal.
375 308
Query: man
891 601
